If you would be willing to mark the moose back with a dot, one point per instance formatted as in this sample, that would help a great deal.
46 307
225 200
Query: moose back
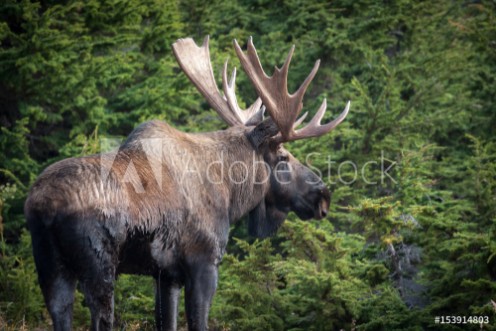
162 204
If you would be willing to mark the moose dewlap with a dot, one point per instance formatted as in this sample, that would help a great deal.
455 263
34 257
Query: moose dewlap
143 210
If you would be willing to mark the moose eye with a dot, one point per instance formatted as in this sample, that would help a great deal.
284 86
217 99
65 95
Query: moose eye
282 158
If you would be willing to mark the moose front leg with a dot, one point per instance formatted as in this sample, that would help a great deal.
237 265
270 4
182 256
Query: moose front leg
166 303
201 283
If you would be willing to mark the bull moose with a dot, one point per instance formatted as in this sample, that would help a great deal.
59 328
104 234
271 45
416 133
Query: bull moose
161 205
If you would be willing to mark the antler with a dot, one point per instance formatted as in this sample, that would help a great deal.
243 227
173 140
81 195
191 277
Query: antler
283 107
195 62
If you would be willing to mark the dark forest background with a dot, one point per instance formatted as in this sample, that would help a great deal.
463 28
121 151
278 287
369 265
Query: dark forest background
390 255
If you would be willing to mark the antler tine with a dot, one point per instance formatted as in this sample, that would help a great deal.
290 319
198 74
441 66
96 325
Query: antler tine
230 95
285 69
195 62
303 87
300 120
315 129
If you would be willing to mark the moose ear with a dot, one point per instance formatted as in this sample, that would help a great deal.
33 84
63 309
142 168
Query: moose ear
262 132
265 220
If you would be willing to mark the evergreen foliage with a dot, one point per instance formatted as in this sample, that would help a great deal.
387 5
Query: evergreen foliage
411 232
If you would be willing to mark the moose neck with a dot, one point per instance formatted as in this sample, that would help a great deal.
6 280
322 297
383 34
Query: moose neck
245 174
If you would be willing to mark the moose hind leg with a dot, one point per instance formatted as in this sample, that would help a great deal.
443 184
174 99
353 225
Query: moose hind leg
57 284
201 284
98 289
97 282
59 298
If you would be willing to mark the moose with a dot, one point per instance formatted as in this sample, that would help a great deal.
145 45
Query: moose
161 205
